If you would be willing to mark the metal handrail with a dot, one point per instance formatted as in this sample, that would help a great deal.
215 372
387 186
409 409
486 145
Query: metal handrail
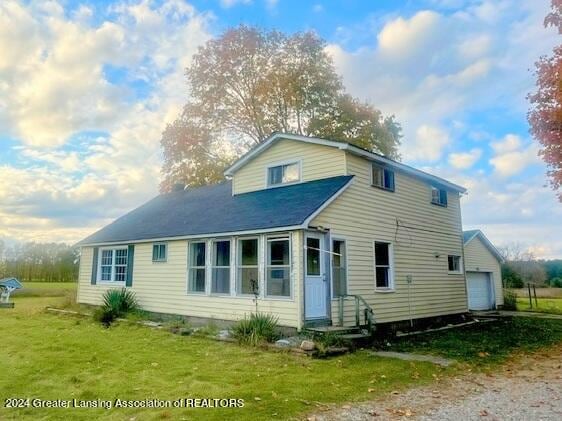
369 314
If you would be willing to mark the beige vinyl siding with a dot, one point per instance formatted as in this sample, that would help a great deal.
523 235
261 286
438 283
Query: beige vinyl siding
479 259
162 287
363 214
317 162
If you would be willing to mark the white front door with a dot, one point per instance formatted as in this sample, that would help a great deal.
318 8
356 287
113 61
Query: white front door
315 291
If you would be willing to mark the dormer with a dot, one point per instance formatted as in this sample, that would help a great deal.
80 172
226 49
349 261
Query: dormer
286 159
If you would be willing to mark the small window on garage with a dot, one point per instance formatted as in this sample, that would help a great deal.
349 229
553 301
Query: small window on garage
159 252
454 264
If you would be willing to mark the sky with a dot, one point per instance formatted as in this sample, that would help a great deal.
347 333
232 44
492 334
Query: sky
87 87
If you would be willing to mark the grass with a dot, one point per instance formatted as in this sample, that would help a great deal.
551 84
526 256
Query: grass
486 344
51 356
62 357
45 289
545 305
541 292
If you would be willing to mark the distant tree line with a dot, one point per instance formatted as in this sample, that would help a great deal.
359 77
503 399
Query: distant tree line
522 267
39 262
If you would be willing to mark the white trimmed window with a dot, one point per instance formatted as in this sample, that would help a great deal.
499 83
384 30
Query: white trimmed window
113 265
454 263
384 277
283 174
197 272
382 177
339 268
248 266
438 196
220 269
278 269
159 252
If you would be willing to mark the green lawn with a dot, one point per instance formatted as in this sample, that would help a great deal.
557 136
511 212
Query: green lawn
63 357
545 305
45 289
49 356
486 344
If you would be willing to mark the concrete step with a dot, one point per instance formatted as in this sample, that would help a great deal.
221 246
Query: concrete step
354 336
334 329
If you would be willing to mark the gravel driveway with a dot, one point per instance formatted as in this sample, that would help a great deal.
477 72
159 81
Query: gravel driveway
529 387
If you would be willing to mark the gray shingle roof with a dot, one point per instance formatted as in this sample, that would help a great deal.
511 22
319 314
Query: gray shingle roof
213 210
467 235
470 234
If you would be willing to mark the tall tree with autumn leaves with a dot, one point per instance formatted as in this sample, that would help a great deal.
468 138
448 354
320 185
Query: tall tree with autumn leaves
545 115
249 83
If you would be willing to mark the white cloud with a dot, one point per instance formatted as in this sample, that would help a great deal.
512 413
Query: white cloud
68 191
404 37
271 4
318 8
231 3
511 156
429 144
475 47
523 211
465 160
53 87
54 67
510 143
446 64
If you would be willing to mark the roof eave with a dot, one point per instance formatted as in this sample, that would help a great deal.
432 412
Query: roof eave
488 245
195 236
303 225
229 172
404 168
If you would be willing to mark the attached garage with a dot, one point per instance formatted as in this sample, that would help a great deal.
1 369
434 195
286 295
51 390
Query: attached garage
483 272
480 291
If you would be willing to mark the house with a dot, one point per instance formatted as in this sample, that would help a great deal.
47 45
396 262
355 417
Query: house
313 231
483 271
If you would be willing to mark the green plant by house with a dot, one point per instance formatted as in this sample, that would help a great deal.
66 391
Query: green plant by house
509 300
329 340
256 329
116 303
210 329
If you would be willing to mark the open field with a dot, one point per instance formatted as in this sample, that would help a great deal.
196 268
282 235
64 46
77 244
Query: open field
541 292
46 289
545 305
49 356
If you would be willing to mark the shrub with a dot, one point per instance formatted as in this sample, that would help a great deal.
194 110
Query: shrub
210 329
556 282
104 315
509 300
121 301
511 278
116 303
329 340
256 329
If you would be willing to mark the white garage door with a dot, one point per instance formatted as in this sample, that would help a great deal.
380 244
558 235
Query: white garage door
479 291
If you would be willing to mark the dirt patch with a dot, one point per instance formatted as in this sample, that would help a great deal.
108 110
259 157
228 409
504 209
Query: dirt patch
527 387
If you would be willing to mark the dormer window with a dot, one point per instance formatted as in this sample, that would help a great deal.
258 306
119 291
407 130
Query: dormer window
438 196
283 174
382 177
